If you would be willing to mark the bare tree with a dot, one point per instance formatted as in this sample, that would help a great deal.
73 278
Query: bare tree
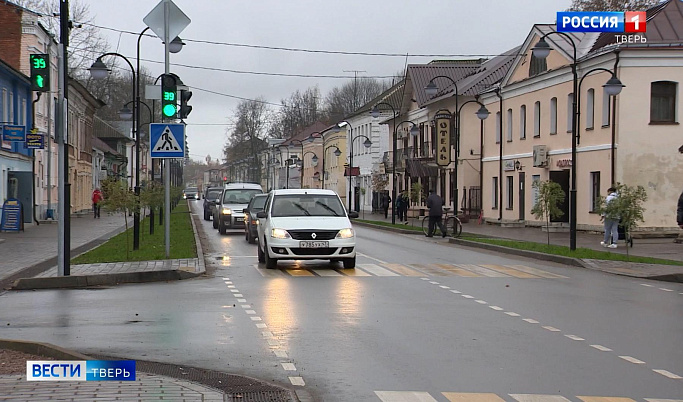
344 100
85 40
247 136
300 110
612 5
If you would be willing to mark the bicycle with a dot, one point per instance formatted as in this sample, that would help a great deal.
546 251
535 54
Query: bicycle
452 225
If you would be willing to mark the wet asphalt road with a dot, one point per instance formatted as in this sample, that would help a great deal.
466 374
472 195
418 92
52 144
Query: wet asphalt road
408 319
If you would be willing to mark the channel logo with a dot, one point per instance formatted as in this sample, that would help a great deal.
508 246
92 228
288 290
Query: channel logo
596 21
80 370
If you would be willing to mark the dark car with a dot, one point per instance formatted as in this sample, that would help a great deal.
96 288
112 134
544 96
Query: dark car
250 221
191 193
210 196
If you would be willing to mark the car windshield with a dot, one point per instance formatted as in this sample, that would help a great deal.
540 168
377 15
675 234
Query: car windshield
191 190
213 194
307 205
258 204
239 195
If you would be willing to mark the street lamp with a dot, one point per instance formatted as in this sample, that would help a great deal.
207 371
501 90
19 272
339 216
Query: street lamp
314 160
99 70
367 143
541 51
482 114
374 112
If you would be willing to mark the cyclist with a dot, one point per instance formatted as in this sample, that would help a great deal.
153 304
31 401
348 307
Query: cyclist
435 204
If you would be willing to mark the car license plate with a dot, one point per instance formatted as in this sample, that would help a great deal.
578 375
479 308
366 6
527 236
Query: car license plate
314 244
239 219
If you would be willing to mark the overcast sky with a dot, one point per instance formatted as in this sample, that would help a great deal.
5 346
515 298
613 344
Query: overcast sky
420 27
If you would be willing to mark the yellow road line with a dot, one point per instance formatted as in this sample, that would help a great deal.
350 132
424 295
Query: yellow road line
403 270
458 271
510 271
299 272
482 271
429 269
604 399
471 397
539 272
354 272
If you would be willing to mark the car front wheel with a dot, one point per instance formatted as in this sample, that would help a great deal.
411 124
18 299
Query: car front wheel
221 227
215 222
350 263
207 216
261 255
271 263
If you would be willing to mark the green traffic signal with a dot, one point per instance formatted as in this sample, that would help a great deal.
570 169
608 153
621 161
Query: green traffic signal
169 88
169 111
40 72
40 81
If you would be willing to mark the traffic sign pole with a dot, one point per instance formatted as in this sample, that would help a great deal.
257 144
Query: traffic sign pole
167 171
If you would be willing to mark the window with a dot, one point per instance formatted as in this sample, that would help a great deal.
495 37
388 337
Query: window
497 127
509 128
534 190
522 122
606 108
570 112
663 102
307 205
537 65
510 190
595 191
537 119
494 193
553 116
590 109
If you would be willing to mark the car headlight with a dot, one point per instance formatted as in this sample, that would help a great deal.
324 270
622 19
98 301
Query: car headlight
226 211
345 234
184 196
280 234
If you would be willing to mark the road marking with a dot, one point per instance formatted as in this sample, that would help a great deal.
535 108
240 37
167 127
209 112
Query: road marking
251 312
231 286
299 272
273 343
496 308
632 360
511 314
267 334
530 321
539 398
297 381
458 271
467 296
668 374
234 290
404 396
288 366
246 305
326 272
464 397
444 287
241 300
509 271
575 338
226 279
261 325
268 273
377 270
372 258
228 282
601 348
663 400
456 292
481 302
539 272
280 353
256 318
354 272
425 279
553 329
482 271
604 399
647 285
402 269
666 290
434 283
238 295
429 270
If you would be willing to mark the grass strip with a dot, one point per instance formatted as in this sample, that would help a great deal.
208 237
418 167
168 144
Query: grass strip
389 225
152 247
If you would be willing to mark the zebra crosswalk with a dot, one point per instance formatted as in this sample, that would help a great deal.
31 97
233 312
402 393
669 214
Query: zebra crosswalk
416 396
415 270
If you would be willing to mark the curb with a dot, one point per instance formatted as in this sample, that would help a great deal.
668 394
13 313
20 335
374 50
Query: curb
42 349
197 242
385 228
523 253
83 281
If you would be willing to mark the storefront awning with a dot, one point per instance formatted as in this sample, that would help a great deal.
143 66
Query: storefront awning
355 171
417 168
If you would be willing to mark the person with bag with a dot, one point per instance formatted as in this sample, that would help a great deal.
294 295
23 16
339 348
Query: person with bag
97 199
611 221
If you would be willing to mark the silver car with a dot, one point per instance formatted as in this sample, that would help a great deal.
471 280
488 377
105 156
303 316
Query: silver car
229 212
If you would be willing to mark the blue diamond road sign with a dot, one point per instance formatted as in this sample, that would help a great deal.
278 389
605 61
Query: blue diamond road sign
167 140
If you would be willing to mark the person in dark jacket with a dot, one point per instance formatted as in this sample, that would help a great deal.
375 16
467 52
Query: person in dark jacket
399 206
435 204
386 200
679 212
405 206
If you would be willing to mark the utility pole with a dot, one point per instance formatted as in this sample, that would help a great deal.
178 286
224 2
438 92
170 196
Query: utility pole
64 239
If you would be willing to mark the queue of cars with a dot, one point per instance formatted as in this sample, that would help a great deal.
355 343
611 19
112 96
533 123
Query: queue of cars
291 224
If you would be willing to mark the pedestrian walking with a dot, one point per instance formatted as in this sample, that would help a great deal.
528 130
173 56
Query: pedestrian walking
406 205
399 206
611 222
679 217
435 204
386 200
97 199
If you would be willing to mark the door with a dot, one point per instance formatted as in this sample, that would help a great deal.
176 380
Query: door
20 186
562 178
522 186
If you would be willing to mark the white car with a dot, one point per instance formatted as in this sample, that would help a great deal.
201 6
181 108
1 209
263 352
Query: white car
305 224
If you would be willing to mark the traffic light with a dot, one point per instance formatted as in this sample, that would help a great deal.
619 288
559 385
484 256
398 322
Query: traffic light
169 89
40 72
185 109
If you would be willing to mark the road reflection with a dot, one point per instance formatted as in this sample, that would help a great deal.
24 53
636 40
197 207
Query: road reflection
279 309
348 300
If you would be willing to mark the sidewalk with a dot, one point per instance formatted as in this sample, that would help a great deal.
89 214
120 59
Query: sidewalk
663 248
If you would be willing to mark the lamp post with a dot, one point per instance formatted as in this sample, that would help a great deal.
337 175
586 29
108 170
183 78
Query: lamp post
314 160
336 152
542 50
367 144
375 114
482 114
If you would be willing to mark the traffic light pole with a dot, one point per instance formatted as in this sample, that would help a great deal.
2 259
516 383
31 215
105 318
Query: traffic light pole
64 239
167 171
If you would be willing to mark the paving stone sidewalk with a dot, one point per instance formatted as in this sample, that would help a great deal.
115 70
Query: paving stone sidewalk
108 268
146 387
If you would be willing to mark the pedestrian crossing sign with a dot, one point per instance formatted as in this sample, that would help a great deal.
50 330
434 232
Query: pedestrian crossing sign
167 140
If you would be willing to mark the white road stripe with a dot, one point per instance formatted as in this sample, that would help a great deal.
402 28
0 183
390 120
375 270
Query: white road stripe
434 283
632 360
425 279
481 302
297 381
267 334
666 290
444 287
273 342
496 308
238 295
326 272
280 353
530 321
601 348
663 400
456 292
241 300
372 258
646 284
468 296
246 305
234 290
377 270
228 282
288 366
575 338
511 314
553 329
231 286
404 396
255 318
251 312
539 398
261 325
226 279
668 374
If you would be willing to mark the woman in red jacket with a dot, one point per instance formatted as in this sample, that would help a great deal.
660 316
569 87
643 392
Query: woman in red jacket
96 200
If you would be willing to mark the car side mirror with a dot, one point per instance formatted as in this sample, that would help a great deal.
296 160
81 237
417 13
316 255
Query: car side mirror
353 214
262 215
218 200
245 210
